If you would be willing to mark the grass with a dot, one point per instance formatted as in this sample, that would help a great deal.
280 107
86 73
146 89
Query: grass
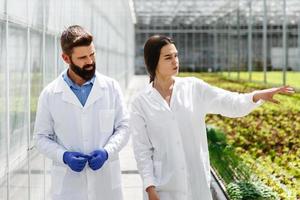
273 78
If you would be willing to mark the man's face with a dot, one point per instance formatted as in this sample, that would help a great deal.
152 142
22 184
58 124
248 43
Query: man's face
82 61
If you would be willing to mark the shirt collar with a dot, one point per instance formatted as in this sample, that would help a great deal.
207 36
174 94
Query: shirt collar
73 84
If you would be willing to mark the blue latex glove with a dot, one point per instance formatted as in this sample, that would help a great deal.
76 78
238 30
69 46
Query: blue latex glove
98 158
75 160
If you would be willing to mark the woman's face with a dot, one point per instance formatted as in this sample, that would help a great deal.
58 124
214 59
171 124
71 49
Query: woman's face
168 64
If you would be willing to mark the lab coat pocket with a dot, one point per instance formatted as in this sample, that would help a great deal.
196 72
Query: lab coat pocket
58 176
106 120
115 172
157 171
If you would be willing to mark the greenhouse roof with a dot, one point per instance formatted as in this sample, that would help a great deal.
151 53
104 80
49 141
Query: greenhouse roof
205 12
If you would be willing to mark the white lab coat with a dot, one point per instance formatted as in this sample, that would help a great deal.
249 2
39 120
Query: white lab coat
170 142
63 124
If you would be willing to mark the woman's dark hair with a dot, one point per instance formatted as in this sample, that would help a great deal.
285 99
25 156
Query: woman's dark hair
152 52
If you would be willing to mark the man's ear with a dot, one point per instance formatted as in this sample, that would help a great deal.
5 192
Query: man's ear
66 58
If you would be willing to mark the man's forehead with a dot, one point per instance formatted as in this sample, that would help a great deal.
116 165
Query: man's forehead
84 49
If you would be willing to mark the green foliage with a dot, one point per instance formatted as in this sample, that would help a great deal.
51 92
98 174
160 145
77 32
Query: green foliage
234 173
223 158
267 140
250 191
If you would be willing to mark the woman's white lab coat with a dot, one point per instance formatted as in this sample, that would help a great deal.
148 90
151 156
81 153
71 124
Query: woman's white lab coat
170 142
62 124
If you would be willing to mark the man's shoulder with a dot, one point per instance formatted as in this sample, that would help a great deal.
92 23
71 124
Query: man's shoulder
105 78
106 81
50 87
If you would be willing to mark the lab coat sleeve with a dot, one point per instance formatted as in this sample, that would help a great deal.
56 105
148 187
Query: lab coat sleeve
44 135
218 101
120 135
142 147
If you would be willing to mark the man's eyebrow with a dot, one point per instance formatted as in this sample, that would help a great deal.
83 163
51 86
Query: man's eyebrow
82 57
86 56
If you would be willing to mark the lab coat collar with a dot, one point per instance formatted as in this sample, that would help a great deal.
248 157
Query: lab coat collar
154 94
69 96
97 91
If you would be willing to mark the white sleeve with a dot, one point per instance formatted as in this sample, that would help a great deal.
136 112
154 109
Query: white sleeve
143 149
218 101
120 135
44 135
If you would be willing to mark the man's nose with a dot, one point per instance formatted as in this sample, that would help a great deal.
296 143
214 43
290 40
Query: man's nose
89 60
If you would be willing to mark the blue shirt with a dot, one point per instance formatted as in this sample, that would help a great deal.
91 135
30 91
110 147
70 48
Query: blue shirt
82 92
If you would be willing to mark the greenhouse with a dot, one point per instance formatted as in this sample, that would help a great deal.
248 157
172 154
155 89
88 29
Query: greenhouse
242 46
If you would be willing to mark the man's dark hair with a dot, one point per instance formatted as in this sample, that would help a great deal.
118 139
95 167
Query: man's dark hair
74 36
152 52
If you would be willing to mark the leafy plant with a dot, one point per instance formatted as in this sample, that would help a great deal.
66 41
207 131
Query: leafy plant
250 191
267 140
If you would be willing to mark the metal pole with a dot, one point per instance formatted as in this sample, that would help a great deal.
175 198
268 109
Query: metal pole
185 48
228 46
298 28
284 43
193 48
7 102
28 103
265 42
44 76
201 49
250 41
238 41
215 46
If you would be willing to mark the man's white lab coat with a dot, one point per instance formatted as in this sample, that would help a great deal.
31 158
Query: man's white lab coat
63 124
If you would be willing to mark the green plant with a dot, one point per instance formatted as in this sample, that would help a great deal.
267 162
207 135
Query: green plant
245 190
267 140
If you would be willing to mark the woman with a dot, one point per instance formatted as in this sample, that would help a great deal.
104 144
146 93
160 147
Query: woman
168 124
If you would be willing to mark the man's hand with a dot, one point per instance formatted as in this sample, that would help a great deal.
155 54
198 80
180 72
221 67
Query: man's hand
75 160
98 158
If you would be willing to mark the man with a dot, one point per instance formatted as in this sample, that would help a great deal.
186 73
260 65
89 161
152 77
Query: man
81 125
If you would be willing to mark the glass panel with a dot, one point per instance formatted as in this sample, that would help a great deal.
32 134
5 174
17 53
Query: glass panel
49 62
61 64
37 188
3 119
18 89
35 13
36 72
2 7
17 9
36 81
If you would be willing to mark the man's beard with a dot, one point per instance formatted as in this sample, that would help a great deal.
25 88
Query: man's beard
83 72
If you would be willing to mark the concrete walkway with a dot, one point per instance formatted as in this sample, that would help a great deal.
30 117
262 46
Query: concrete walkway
131 181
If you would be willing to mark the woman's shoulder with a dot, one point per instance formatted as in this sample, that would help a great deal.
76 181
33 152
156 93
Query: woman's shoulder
188 80
141 94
